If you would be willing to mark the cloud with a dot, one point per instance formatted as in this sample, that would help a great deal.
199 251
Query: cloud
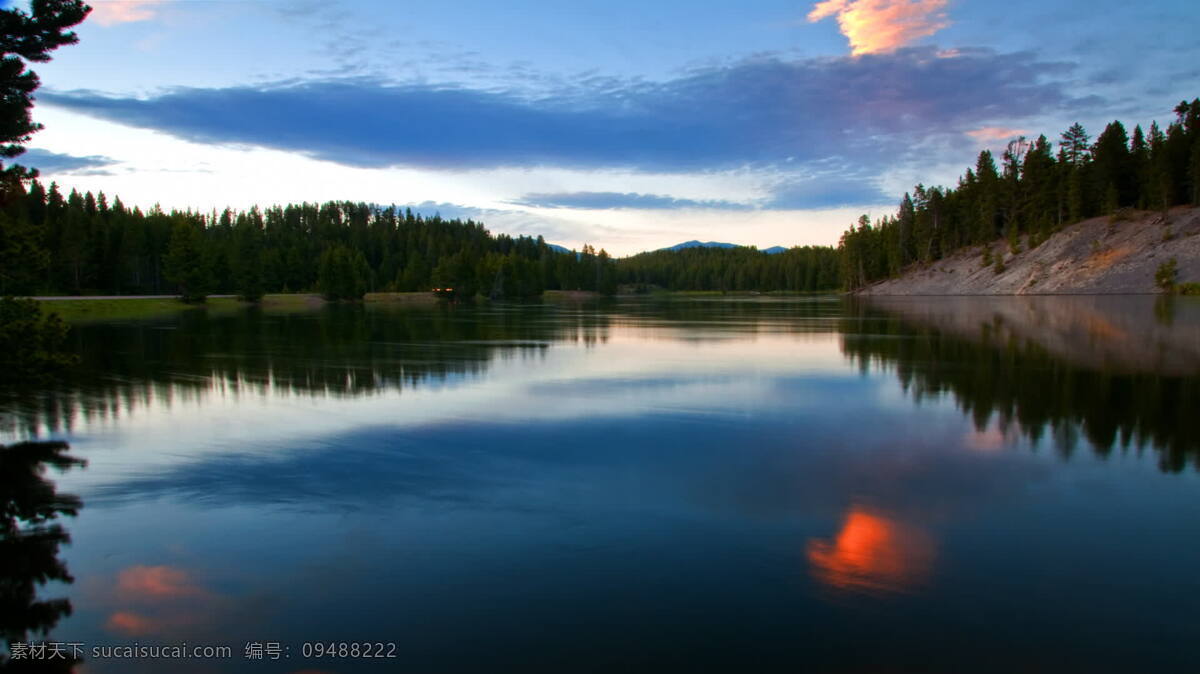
877 26
113 12
54 162
758 112
800 193
607 200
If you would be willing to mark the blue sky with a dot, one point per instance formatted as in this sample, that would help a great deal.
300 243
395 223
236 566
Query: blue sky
615 123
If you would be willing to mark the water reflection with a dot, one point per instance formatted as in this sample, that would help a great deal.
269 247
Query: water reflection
30 538
162 601
1058 369
872 554
636 486
334 352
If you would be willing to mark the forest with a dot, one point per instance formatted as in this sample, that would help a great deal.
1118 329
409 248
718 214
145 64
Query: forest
1032 194
799 269
82 244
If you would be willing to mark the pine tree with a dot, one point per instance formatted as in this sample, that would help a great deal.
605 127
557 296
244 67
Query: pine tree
28 37
23 259
1161 184
1114 167
988 182
25 37
342 274
248 256
1194 170
1075 144
184 263
1075 195
1139 152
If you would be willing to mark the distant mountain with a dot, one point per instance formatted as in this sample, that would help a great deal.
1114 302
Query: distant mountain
557 248
718 244
700 244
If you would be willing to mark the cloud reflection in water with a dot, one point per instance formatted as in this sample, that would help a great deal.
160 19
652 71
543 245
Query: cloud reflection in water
872 554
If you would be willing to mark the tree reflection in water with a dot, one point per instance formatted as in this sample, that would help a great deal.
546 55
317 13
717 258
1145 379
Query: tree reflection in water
30 536
1005 360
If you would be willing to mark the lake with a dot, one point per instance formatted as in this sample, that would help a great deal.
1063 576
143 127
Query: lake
706 483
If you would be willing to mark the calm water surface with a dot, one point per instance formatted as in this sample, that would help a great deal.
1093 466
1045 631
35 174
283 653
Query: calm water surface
707 484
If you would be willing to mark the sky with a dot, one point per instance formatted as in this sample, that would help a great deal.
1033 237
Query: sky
624 124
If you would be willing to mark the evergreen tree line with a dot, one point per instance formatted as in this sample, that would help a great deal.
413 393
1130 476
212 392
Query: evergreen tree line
81 244
807 268
1031 195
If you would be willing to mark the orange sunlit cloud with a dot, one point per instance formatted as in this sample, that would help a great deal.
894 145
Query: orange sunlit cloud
113 12
875 26
156 582
988 134
872 554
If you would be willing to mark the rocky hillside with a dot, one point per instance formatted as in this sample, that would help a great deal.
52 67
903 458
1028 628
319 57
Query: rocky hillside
1096 256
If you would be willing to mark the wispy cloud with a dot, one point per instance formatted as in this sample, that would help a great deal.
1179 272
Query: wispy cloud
827 191
113 12
876 26
633 200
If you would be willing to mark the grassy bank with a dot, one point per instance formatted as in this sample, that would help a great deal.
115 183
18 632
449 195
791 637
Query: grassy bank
82 310
404 298
106 309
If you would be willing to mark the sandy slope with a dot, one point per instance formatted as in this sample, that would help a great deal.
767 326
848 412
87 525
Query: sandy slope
1092 257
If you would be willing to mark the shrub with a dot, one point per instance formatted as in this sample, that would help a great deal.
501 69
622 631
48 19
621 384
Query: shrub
1166 275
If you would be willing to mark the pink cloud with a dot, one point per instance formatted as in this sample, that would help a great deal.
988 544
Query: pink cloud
113 12
874 26
990 134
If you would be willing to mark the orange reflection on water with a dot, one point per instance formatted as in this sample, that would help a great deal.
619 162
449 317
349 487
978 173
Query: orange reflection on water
130 624
872 554
168 600
157 582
